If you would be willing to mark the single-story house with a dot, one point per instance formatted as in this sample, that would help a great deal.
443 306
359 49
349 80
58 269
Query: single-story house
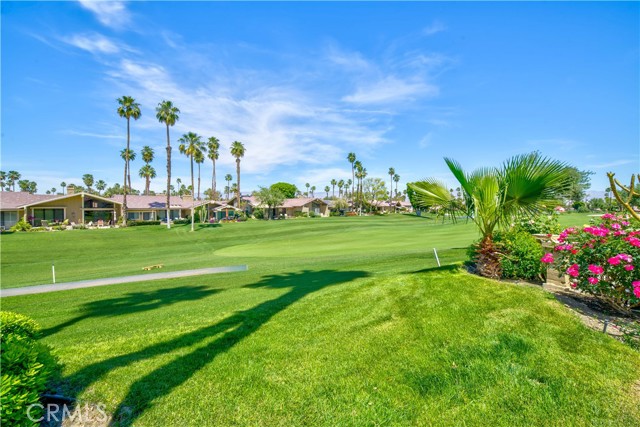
82 208
35 208
289 207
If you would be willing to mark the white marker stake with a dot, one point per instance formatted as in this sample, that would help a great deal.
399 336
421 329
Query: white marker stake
434 252
53 270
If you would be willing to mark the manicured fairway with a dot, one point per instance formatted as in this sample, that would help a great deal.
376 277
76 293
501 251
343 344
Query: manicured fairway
351 336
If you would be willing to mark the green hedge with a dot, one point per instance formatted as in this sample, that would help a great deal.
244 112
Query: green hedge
520 255
141 222
27 366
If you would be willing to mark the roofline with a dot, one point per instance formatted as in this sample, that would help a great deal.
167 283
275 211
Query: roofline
66 196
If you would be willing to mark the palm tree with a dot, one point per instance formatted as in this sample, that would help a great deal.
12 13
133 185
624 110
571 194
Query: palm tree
199 159
168 114
3 178
313 188
327 188
228 178
340 185
190 145
358 176
147 154
87 178
178 182
128 108
12 178
307 185
333 186
128 156
347 185
391 172
523 186
148 173
63 185
351 157
100 185
396 178
237 151
213 146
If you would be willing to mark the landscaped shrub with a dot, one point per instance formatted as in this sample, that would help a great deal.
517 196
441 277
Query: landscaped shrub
545 223
27 366
602 260
258 213
140 222
519 254
181 221
21 225
312 214
299 214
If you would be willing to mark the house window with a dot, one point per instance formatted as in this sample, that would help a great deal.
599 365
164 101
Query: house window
48 215
133 216
8 219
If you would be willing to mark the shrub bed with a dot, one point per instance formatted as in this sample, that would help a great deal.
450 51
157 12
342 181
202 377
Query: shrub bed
27 366
602 260
520 255
140 222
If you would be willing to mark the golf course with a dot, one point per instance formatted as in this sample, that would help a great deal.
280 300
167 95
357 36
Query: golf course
342 321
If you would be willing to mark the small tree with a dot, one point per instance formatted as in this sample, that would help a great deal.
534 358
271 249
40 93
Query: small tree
269 197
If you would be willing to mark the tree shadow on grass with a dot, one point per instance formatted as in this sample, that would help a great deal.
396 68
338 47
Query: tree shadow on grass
135 302
232 330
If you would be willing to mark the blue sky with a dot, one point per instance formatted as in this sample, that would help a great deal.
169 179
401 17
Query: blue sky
302 84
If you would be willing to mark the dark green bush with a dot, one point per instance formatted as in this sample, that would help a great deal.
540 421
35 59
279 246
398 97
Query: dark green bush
141 222
27 366
181 221
312 214
300 214
258 213
520 255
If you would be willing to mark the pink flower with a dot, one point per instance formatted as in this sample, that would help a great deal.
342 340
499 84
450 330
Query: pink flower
614 260
608 216
547 258
628 267
636 288
616 226
625 257
573 271
596 269
593 280
574 285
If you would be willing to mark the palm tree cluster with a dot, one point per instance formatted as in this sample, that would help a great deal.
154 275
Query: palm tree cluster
191 145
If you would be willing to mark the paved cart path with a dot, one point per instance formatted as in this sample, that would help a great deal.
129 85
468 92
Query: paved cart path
39 289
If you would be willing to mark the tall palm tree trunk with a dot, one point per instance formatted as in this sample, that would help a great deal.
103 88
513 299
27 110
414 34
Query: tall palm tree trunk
213 181
198 181
168 179
238 173
193 199
126 171
353 179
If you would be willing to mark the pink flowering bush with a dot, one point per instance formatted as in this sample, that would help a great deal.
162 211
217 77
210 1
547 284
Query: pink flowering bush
602 259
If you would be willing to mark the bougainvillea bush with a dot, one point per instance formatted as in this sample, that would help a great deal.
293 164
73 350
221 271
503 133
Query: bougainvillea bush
602 259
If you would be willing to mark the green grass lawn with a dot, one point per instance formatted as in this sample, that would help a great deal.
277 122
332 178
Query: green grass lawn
323 329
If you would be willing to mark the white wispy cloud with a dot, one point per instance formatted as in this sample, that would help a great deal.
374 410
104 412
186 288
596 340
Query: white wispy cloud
391 89
612 164
426 140
113 14
94 43
279 125
434 28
